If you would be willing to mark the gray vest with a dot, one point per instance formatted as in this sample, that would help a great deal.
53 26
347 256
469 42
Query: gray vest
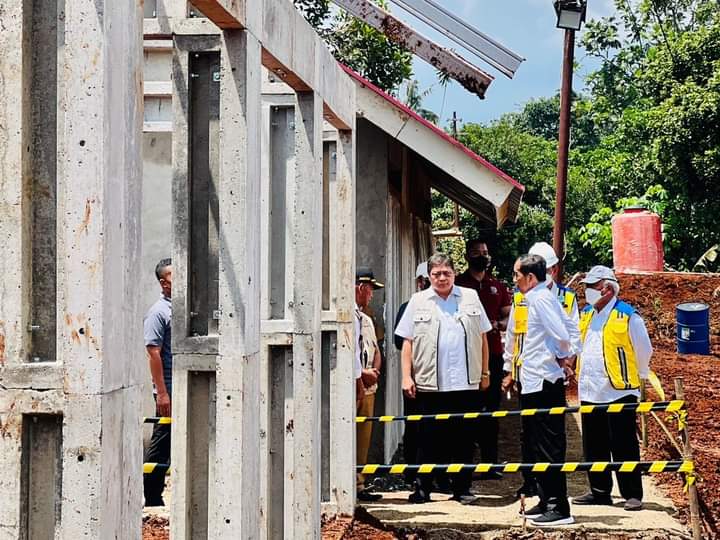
425 337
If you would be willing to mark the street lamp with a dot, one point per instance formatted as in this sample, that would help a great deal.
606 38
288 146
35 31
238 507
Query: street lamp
570 13
570 16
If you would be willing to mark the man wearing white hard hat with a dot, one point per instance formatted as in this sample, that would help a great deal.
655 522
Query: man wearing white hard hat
615 358
565 295
410 434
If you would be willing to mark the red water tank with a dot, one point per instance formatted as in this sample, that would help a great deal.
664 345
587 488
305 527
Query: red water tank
637 241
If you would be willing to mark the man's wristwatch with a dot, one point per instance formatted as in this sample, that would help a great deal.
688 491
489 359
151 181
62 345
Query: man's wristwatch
485 373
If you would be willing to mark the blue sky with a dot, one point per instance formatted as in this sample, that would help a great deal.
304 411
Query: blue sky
525 26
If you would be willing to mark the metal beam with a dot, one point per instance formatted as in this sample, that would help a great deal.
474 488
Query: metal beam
437 17
469 76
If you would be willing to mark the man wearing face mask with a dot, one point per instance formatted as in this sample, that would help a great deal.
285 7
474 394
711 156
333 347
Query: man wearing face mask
536 338
496 300
615 359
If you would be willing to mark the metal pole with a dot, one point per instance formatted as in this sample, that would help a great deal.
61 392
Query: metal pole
695 522
563 146
643 417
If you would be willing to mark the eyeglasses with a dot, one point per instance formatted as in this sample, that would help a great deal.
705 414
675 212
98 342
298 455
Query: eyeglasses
442 273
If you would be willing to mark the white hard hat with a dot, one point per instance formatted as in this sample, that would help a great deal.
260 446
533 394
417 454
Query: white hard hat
421 271
546 251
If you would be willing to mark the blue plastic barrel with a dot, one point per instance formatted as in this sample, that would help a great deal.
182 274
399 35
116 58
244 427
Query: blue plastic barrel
693 328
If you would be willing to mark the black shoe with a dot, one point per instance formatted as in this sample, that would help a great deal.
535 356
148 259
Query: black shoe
552 518
366 496
154 501
465 498
491 475
418 497
527 490
593 499
443 485
535 512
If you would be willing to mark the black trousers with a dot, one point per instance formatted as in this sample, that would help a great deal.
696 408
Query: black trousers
612 437
489 401
158 451
446 441
544 441
411 437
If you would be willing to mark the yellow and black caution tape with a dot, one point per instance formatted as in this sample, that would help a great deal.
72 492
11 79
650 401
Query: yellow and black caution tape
598 466
149 468
157 420
644 406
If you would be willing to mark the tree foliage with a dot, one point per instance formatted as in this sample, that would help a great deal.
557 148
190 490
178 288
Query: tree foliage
358 45
647 131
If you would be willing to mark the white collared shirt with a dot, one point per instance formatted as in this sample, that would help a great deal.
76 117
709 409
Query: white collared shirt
358 361
546 340
572 321
594 385
452 356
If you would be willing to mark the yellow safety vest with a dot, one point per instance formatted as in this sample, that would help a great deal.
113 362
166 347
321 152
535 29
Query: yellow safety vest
618 352
567 298
520 328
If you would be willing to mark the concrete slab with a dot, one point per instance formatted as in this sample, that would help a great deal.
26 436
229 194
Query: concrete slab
498 509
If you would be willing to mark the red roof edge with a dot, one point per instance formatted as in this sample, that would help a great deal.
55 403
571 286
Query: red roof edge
439 132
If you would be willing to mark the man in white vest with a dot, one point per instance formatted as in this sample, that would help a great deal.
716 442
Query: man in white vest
615 360
444 362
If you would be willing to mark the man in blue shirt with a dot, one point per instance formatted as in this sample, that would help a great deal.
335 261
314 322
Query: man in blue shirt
157 343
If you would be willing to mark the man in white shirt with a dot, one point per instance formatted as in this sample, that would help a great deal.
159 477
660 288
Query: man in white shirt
615 360
445 360
536 344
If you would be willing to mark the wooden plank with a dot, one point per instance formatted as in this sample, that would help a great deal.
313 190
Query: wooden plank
226 14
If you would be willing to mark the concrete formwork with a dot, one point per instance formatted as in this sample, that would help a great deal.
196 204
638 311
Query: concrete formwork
247 457
70 132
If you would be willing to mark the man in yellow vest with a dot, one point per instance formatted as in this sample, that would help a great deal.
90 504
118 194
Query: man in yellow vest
615 359
565 295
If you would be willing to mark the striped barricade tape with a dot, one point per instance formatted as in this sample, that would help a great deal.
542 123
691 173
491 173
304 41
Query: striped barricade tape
598 466
149 468
642 407
157 420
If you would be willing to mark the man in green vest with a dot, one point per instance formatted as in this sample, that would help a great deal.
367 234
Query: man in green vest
615 359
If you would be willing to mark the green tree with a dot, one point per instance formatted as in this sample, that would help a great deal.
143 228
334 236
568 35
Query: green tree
656 97
358 45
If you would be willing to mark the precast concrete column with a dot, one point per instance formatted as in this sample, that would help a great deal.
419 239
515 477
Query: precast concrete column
196 198
342 382
236 509
70 447
306 214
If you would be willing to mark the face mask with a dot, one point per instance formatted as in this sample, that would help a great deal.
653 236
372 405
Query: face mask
479 263
592 296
